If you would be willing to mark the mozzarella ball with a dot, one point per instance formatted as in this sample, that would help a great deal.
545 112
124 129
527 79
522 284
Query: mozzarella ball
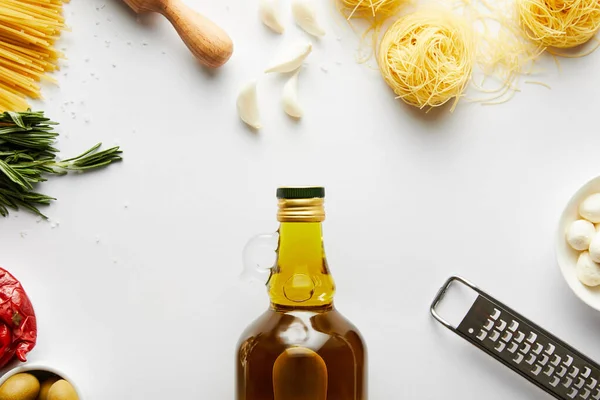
580 234
588 272
595 249
590 208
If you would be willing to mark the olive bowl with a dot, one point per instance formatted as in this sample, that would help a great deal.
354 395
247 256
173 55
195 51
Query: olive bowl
39 369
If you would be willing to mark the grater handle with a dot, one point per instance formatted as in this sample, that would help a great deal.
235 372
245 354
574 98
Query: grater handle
440 296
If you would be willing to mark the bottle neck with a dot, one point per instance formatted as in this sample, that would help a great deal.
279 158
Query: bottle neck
301 277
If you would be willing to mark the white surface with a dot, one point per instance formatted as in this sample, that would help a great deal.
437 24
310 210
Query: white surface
136 289
566 256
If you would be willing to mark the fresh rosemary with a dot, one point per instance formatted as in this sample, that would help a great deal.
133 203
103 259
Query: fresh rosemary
27 155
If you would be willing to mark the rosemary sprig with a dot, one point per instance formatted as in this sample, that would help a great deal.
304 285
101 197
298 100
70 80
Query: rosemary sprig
27 156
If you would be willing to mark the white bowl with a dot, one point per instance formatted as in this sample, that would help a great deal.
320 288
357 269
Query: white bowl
567 256
36 366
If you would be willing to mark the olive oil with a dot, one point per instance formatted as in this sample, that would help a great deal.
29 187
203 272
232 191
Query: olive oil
301 348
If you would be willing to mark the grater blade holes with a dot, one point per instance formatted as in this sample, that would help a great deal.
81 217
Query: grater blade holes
526 348
550 349
562 371
575 372
536 370
556 360
513 347
532 337
531 359
513 325
569 360
538 349
488 325
544 359
507 336
519 358
496 314
555 381
500 346
549 371
494 336
572 393
501 325
580 383
567 383
593 383
586 372
482 335
520 336
585 394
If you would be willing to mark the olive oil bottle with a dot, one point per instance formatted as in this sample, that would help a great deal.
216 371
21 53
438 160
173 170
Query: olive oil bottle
301 348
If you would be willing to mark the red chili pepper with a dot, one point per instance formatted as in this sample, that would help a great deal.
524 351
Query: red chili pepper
18 327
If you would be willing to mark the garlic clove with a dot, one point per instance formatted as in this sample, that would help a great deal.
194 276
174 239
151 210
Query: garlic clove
305 14
290 97
291 59
247 105
268 11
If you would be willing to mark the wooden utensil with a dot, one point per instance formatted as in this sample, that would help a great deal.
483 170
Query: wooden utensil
207 41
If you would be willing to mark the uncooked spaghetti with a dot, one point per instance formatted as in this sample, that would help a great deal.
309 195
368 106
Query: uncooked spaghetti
560 24
28 30
427 57
375 13
370 8
504 55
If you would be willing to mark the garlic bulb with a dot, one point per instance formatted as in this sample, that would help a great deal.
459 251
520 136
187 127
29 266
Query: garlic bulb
305 14
290 97
268 11
291 59
247 105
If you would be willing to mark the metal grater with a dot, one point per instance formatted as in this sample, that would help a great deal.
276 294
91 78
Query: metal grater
524 347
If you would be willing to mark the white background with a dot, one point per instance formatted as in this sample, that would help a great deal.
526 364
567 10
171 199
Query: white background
136 288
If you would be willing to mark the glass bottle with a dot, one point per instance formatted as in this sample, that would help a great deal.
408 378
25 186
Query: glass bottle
301 348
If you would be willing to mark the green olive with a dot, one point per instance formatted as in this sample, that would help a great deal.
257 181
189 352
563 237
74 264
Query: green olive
45 388
20 387
62 390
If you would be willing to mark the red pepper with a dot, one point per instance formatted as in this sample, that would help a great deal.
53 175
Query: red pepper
18 327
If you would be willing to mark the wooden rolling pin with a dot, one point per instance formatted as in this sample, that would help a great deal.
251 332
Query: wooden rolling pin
207 41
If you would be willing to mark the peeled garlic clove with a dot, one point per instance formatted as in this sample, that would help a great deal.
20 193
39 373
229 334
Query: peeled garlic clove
290 97
580 234
588 272
247 105
268 11
291 59
305 15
